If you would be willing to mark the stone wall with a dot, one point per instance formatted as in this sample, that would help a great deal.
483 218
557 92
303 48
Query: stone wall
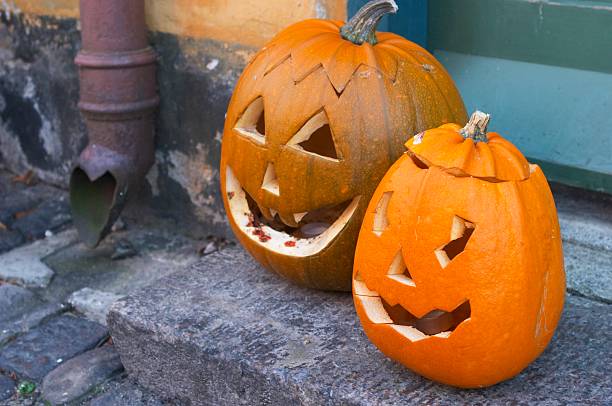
203 45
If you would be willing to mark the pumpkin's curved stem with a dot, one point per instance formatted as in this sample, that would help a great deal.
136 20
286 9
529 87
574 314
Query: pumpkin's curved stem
476 128
362 27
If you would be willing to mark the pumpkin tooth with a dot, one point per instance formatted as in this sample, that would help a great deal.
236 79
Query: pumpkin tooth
273 213
299 216
288 220
265 212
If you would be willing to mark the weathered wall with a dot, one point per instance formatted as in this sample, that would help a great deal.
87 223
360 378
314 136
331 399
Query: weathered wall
203 45
40 125
247 22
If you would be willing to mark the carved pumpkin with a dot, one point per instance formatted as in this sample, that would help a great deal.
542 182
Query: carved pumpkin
458 269
314 123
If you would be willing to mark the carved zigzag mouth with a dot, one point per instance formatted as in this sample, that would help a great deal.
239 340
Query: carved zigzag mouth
297 234
436 323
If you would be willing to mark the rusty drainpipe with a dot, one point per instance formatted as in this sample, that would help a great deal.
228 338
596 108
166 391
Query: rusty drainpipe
118 99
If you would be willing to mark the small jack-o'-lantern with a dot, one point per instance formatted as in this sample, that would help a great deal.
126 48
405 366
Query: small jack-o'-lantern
315 121
458 270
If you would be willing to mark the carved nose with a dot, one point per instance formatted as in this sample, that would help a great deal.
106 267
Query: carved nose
270 181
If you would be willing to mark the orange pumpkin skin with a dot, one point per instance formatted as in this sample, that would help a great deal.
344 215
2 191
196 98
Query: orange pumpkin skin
510 273
369 95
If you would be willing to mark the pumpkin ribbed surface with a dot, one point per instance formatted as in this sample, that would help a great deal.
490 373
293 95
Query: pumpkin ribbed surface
496 159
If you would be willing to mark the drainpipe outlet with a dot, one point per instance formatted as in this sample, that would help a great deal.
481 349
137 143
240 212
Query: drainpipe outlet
118 99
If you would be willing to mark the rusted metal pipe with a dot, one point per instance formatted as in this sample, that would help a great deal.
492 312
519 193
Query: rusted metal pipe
118 99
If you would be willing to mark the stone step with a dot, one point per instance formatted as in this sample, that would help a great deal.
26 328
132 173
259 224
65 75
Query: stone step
225 332
588 271
586 228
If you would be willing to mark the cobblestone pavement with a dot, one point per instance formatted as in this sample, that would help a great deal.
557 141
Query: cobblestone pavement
29 210
55 293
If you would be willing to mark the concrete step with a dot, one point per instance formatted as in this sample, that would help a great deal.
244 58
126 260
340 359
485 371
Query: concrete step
225 332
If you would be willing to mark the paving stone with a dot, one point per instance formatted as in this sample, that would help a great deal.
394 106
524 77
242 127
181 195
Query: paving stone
14 300
9 329
24 266
28 212
21 310
43 348
127 393
7 387
26 270
49 215
20 201
227 332
76 377
93 304
10 239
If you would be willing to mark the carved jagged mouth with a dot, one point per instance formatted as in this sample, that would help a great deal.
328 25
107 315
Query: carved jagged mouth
296 234
436 323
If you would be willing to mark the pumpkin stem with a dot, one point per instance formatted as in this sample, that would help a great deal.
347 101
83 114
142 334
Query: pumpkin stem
362 27
476 128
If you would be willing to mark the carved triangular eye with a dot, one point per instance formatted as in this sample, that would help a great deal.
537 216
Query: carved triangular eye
461 231
252 123
316 138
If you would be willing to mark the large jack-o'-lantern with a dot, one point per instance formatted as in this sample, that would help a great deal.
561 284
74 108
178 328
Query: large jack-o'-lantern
459 269
315 121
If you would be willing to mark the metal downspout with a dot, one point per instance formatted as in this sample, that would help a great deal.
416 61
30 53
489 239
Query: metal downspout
117 100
